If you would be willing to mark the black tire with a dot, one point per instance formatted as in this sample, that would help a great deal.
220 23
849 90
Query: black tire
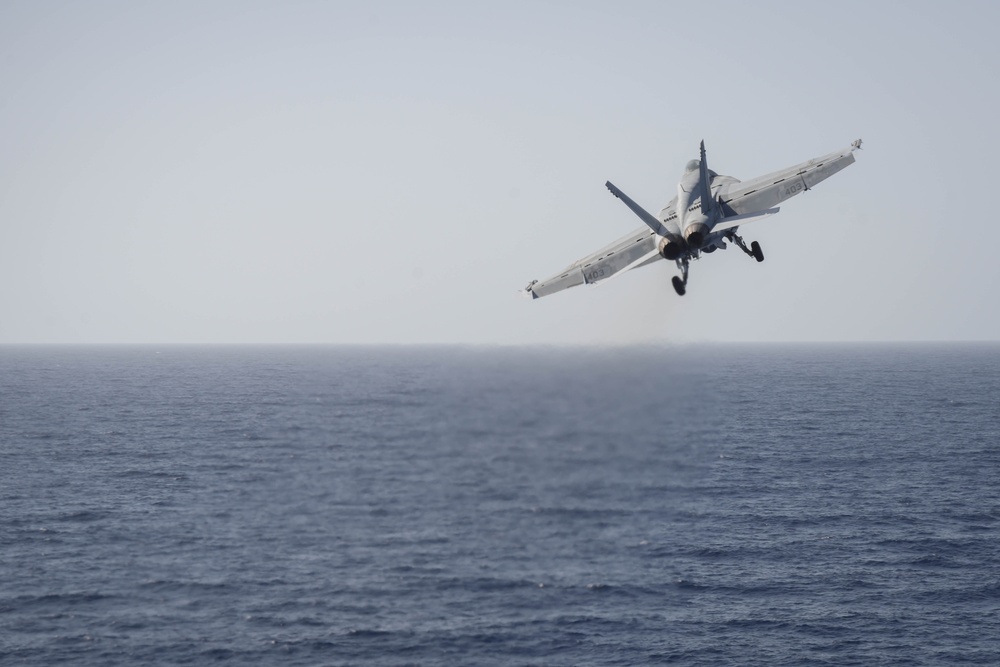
678 286
758 254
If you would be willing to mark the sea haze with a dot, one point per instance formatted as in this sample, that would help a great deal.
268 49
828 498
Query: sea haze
698 505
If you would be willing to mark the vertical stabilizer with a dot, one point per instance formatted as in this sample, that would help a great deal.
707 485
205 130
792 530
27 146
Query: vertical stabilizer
706 185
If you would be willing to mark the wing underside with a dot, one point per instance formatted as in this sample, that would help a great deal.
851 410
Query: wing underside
766 192
629 252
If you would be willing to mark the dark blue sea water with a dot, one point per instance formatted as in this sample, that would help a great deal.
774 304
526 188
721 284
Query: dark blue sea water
700 505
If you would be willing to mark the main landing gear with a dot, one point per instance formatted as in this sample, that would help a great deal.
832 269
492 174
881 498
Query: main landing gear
680 282
754 249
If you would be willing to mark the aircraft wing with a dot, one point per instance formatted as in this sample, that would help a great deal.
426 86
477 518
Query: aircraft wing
766 192
629 252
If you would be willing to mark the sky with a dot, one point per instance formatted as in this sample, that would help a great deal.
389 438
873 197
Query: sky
383 172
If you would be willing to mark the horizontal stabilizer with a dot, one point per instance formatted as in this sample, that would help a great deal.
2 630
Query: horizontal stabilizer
643 214
736 220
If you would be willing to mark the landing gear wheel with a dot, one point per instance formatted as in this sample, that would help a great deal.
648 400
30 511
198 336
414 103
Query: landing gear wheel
754 249
678 285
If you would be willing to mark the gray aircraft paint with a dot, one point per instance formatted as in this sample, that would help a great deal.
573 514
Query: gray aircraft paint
700 224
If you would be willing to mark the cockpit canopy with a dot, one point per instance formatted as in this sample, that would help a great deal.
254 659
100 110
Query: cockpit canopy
693 165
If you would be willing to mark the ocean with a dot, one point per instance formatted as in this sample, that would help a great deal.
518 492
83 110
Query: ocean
689 505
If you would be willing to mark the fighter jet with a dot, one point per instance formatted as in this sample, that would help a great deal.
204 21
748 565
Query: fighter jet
707 211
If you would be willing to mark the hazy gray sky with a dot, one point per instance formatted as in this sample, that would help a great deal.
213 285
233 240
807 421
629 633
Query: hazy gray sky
394 172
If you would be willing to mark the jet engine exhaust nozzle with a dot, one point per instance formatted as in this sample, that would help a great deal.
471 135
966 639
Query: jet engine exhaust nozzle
671 247
695 234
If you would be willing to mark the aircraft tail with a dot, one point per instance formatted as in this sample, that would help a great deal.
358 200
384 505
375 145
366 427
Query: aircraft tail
706 186
645 216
